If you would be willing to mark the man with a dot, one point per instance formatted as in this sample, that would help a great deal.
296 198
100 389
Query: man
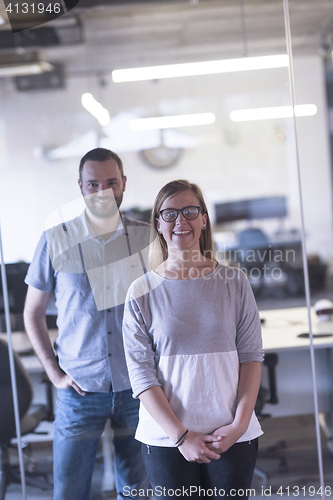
89 263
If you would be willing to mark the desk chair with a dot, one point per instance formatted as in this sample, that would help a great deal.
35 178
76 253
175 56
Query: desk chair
269 396
254 255
29 420
251 255
252 237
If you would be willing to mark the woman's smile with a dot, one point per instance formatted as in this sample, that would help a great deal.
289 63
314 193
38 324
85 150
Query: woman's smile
182 233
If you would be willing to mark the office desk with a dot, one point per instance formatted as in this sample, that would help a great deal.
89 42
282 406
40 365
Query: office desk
280 330
22 345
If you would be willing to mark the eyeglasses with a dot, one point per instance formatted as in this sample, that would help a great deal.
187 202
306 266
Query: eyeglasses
171 214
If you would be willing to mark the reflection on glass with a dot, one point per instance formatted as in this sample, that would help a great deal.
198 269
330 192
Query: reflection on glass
246 168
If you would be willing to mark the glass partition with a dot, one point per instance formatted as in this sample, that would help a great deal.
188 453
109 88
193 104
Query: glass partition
315 52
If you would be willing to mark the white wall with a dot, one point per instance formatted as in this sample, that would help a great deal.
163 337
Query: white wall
314 149
232 161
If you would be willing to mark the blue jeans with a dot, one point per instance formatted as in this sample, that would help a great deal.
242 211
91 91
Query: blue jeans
79 424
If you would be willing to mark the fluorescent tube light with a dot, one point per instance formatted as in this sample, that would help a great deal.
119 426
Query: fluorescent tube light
22 69
200 68
172 121
245 115
2 21
96 109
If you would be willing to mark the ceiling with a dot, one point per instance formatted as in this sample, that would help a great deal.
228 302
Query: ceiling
98 36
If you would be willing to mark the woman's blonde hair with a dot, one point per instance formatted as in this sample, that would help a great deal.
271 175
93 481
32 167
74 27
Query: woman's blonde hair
158 250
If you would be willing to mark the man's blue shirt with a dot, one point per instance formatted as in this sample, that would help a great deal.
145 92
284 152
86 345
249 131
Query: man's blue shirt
90 278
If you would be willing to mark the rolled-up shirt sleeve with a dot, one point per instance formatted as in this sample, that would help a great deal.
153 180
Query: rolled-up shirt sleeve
248 335
41 273
138 344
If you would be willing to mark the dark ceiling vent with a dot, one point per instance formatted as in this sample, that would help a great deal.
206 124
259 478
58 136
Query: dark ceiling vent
62 33
50 80
29 39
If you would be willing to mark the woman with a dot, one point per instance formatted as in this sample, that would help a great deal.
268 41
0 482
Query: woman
193 349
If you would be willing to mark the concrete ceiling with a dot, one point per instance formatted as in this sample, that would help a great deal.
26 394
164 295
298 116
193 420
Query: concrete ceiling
139 33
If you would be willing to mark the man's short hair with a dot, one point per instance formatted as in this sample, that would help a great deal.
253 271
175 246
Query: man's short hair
100 154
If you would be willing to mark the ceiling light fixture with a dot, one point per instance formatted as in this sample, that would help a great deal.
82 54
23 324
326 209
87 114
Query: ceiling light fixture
96 109
200 68
22 69
2 21
246 115
172 121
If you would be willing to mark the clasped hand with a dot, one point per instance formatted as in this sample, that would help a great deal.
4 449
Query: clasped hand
195 447
229 434
203 448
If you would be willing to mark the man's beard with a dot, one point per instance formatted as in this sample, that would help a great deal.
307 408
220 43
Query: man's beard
109 207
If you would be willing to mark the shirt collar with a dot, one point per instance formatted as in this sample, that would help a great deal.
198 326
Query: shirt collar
79 231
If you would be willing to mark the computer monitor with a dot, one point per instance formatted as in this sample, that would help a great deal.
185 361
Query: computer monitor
17 289
256 208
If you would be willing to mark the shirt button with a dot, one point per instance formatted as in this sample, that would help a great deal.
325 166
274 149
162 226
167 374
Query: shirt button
109 333
108 310
109 355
